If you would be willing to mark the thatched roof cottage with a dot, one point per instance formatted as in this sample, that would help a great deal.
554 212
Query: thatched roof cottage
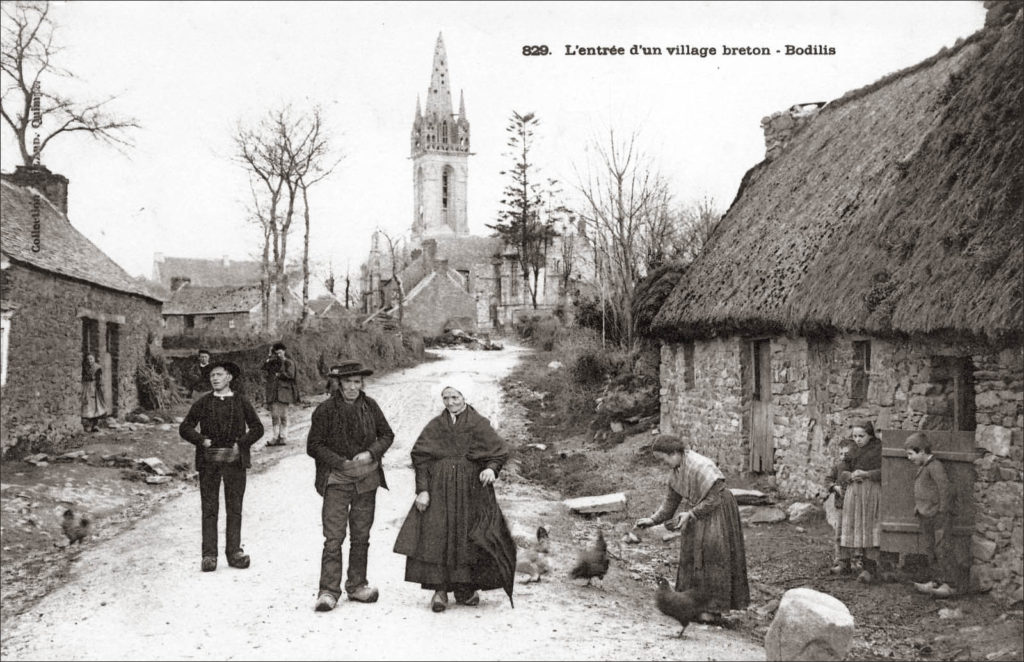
870 268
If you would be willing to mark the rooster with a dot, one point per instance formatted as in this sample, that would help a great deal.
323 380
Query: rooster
75 528
684 606
534 561
592 562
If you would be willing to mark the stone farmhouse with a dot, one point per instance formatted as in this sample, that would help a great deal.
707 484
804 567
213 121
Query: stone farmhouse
871 269
450 277
62 297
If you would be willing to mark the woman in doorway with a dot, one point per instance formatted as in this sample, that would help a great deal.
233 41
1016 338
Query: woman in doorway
455 536
861 527
94 406
712 557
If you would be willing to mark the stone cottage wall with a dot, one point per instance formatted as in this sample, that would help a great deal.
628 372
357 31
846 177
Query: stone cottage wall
440 302
998 543
43 391
910 386
709 414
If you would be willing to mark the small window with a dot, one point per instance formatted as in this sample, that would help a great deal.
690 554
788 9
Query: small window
190 321
688 377
860 373
465 277
231 324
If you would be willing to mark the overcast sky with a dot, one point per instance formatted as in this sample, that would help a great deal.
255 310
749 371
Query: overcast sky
189 72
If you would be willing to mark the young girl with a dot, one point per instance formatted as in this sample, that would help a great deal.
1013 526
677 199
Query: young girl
712 558
861 523
837 490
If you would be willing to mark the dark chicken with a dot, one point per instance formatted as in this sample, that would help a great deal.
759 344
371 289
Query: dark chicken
592 562
684 606
75 528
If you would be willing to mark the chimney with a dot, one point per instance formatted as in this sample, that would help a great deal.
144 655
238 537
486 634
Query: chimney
779 128
441 266
54 187
430 250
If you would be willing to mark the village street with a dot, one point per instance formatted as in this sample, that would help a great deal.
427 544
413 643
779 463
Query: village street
141 595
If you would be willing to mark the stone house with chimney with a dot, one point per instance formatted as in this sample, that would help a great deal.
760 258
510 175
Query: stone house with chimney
871 269
60 298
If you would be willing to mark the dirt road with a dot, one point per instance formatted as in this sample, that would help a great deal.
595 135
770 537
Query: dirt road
141 595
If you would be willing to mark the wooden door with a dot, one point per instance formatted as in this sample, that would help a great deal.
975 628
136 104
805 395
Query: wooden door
899 525
760 375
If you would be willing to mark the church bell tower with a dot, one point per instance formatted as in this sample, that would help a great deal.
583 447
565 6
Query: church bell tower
439 151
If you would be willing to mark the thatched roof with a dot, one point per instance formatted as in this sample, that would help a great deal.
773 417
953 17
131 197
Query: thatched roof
898 210
61 249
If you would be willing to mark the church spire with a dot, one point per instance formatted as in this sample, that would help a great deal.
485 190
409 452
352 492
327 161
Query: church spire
439 97
462 106
419 114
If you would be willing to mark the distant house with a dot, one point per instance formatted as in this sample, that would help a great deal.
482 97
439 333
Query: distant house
173 272
226 309
61 297
870 268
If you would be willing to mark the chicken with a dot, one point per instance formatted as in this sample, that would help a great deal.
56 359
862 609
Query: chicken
592 562
75 528
534 560
684 606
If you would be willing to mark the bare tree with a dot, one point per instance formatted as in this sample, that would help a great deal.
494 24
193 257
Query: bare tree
27 54
284 156
626 211
696 223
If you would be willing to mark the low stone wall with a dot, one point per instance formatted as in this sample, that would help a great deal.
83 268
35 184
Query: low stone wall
780 127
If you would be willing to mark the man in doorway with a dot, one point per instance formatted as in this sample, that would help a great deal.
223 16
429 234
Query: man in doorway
348 437
281 391
199 376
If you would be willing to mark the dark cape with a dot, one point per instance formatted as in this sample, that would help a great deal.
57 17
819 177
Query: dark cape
462 537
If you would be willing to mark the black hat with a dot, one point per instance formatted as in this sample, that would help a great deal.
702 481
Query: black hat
230 366
349 369
277 346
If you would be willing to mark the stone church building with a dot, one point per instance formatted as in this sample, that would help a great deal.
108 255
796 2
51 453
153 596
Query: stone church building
449 277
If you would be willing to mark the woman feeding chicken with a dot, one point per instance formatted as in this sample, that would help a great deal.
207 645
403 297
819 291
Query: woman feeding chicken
712 560
455 536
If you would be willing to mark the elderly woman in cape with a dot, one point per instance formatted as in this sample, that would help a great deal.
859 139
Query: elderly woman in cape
712 558
455 536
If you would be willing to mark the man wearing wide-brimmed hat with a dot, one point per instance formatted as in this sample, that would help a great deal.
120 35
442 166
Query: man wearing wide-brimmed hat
228 427
348 437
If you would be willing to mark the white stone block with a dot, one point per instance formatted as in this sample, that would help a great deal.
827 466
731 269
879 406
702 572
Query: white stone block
809 625
995 439
606 503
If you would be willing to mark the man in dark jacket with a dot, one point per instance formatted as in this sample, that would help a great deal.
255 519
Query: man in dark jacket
348 437
199 375
282 390
228 427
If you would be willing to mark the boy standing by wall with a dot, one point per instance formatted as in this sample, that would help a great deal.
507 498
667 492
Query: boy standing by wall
934 511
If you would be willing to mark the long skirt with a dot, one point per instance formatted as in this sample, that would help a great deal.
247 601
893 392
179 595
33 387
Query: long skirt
862 523
462 540
93 403
712 557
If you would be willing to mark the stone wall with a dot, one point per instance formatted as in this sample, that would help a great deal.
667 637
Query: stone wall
998 491
708 414
920 385
42 396
779 128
